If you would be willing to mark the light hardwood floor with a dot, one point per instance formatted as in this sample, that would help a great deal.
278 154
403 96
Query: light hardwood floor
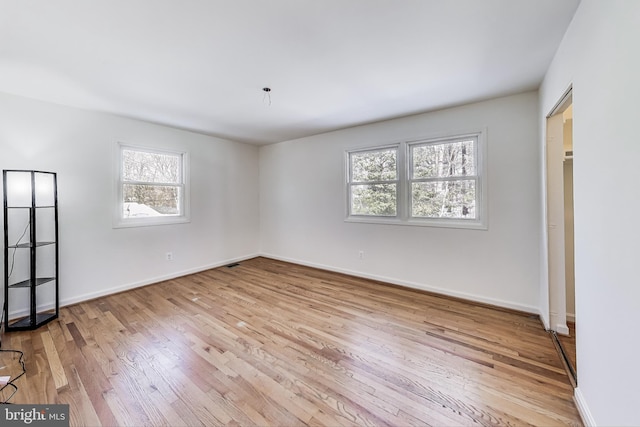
269 343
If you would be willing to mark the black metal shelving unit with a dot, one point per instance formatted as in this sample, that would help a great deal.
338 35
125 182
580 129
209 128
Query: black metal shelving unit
30 248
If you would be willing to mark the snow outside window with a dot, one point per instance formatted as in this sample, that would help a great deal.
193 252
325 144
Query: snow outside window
152 187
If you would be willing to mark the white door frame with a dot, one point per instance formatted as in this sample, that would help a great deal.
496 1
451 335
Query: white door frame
554 214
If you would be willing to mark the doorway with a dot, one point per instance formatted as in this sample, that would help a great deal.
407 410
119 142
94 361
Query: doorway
560 238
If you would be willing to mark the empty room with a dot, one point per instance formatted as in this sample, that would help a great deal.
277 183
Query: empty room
323 213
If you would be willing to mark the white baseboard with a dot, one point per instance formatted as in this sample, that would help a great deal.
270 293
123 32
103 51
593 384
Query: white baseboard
583 408
126 287
545 321
559 323
414 285
562 329
18 314
420 286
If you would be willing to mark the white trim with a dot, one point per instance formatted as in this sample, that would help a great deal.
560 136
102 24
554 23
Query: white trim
414 285
545 321
157 279
349 183
393 145
420 286
583 408
548 317
563 102
451 223
18 314
184 186
86 297
149 221
559 323
562 329
403 184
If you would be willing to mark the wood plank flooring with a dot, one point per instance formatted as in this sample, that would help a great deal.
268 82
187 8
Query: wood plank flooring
269 343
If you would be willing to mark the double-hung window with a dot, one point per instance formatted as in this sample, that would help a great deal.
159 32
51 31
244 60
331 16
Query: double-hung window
443 179
373 182
436 182
152 187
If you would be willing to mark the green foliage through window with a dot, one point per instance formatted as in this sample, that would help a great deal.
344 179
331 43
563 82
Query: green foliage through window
443 181
374 166
374 199
374 182
422 181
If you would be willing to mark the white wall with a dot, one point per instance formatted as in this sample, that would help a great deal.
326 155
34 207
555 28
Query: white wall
96 259
599 56
302 205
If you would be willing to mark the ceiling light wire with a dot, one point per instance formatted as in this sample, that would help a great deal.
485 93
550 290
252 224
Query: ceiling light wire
267 95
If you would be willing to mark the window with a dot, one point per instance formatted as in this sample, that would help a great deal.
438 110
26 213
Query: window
152 187
443 179
436 182
373 182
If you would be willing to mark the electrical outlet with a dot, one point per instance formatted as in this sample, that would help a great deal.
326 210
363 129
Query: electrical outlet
169 256
361 255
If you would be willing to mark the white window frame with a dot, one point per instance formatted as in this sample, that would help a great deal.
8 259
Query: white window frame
351 183
403 199
119 221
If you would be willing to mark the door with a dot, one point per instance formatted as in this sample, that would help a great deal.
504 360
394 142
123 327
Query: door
559 191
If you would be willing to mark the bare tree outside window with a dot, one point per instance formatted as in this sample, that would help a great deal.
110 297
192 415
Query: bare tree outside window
430 182
443 180
151 183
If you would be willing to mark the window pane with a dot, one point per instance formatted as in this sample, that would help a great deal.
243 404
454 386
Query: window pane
444 199
444 160
150 200
375 199
150 167
374 166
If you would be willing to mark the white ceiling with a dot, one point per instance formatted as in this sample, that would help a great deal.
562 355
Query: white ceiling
201 64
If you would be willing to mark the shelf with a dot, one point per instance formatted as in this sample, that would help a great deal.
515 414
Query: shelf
27 283
28 245
31 212
25 322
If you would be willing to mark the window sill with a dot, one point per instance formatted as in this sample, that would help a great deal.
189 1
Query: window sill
462 224
147 222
